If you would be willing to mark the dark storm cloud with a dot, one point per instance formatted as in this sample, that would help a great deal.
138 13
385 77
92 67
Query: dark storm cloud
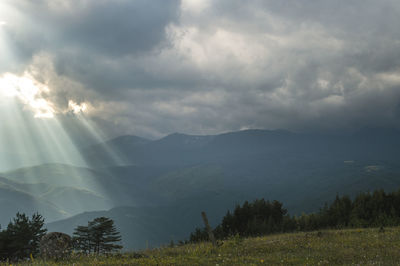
114 28
154 67
119 27
89 41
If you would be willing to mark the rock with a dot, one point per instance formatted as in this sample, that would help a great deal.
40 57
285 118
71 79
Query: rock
56 245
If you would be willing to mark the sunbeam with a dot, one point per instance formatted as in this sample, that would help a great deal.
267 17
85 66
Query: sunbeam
116 159
39 150
18 138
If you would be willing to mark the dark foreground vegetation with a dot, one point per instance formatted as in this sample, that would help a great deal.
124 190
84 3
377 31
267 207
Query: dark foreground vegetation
25 238
21 238
328 247
260 232
262 217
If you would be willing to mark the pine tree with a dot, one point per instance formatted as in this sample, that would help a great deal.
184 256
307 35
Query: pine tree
104 235
82 240
99 236
22 237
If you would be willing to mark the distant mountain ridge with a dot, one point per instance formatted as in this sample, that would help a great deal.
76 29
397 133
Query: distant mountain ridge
178 149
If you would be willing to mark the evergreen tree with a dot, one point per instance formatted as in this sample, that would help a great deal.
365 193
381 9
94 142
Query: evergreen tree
262 217
199 235
22 237
104 235
81 239
99 236
251 219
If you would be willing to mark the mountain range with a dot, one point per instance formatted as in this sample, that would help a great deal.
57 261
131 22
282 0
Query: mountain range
156 189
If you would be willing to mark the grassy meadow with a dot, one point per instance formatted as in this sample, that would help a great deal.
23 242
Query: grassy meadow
327 247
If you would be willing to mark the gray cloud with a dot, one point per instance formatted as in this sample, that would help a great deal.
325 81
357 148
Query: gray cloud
211 66
109 28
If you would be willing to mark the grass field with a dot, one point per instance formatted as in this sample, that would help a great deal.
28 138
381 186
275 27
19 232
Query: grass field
331 247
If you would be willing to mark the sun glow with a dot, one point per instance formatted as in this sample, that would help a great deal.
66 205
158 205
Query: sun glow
77 108
29 92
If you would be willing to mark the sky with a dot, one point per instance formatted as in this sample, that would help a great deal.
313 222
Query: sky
151 68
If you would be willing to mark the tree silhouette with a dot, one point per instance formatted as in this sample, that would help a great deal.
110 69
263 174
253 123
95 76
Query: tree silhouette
22 237
99 236
81 239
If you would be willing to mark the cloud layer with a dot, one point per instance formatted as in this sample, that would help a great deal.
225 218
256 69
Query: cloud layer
152 68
